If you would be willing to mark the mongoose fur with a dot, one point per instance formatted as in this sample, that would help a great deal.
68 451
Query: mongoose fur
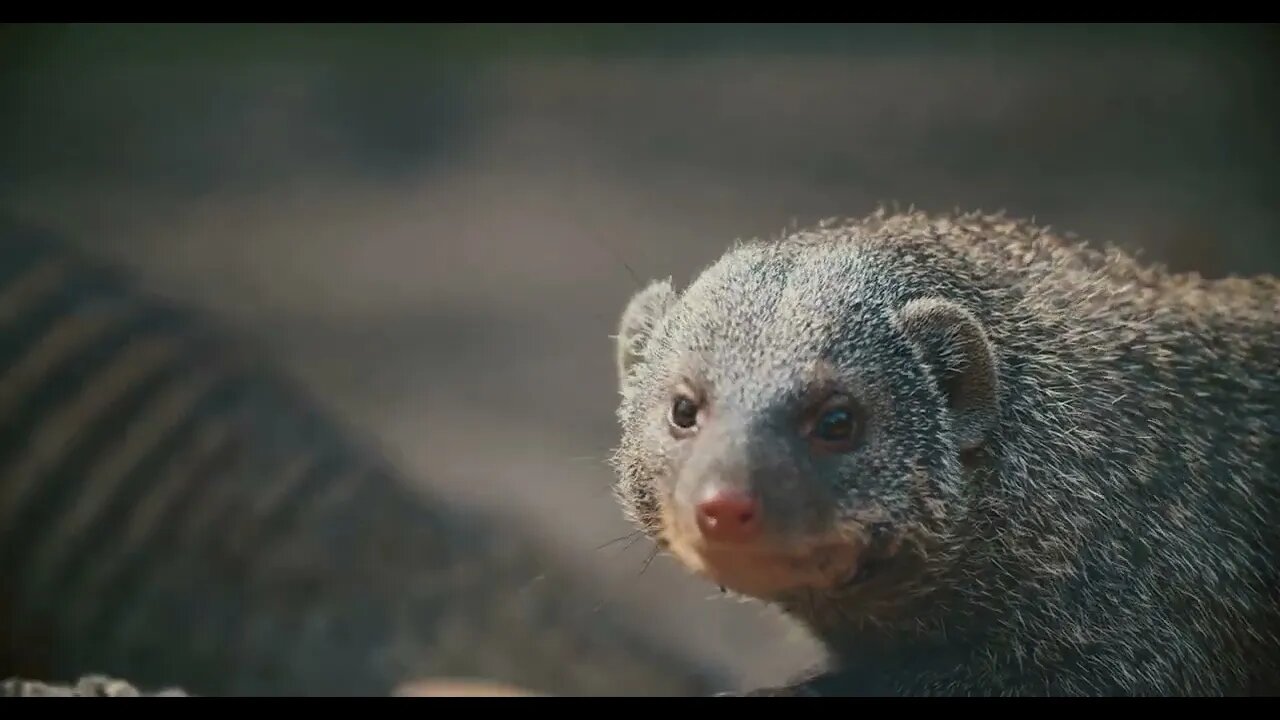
973 456
176 512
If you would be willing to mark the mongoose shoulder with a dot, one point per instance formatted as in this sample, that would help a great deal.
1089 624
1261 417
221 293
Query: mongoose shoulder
174 511
974 456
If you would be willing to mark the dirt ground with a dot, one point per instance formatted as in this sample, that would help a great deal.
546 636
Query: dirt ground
440 248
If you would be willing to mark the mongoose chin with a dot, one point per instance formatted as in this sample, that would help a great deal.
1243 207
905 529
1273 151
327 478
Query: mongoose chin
972 455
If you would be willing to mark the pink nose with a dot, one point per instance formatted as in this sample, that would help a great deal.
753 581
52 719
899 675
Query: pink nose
729 516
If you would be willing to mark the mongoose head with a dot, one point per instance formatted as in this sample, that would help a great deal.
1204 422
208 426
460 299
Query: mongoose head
799 419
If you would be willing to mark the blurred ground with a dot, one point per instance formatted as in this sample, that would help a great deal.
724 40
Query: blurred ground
436 228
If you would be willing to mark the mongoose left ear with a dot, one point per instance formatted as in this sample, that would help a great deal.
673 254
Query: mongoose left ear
642 313
954 344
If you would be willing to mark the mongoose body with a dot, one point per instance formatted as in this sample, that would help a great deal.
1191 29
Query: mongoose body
174 512
975 457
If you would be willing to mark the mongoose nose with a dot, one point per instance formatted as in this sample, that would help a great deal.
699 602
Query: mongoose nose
729 515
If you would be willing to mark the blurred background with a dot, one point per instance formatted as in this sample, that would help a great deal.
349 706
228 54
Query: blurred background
436 227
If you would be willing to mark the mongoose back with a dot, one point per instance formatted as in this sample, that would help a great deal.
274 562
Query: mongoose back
174 512
974 456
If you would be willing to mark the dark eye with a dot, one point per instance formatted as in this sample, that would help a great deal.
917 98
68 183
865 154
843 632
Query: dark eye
684 413
838 426
835 426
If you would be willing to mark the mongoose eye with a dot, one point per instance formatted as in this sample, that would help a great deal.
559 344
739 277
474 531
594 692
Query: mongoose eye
684 413
837 426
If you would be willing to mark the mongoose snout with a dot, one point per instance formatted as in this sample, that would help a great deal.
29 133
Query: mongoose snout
741 506
729 516
730 544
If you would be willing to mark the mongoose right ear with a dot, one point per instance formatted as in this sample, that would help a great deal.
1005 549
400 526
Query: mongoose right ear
955 345
642 313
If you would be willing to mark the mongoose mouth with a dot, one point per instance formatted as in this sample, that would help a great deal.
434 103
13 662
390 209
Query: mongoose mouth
765 565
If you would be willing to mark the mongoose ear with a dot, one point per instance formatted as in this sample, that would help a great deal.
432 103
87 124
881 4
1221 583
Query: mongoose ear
642 313
955 345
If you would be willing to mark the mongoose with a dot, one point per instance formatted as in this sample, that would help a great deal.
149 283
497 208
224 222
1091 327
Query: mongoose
174 511
972 455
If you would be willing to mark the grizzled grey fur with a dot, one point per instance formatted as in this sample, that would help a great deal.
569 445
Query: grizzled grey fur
1066 477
